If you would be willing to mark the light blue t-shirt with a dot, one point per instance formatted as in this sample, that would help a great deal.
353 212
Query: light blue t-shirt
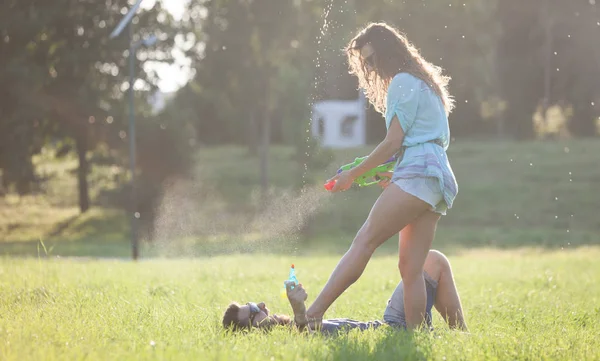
423 119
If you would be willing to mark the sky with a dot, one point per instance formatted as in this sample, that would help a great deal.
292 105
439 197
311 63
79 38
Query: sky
172 77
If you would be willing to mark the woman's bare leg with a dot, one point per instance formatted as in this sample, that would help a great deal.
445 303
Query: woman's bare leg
415 241
392 211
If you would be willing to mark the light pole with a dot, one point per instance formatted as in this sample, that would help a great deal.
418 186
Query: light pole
133 47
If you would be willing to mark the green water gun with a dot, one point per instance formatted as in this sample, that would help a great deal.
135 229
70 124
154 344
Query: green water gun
369 177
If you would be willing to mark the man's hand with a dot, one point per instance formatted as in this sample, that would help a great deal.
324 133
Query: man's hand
297 297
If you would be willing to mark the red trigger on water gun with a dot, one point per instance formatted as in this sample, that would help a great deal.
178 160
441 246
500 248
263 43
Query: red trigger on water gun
329 185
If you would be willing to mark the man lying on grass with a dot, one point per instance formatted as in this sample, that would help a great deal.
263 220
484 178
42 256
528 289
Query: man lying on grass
441 293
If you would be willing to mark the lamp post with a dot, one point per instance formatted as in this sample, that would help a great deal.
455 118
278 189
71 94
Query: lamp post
133 47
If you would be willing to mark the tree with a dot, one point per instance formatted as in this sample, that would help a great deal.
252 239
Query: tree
62 77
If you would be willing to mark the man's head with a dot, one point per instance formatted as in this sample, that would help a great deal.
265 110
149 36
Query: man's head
238 317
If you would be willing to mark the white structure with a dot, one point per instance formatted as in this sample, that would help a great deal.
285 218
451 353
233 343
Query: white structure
340 123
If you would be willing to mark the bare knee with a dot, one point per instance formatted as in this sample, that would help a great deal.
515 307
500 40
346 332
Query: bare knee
368 238
436 264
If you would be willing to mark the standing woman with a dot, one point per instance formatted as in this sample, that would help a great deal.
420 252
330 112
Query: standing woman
412 95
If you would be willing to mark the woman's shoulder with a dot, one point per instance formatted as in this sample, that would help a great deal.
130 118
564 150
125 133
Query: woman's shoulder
404 81
405 78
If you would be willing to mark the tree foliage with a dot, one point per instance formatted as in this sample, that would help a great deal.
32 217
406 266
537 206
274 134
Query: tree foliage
260 64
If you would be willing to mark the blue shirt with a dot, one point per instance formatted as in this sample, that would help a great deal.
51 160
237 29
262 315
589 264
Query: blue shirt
423 119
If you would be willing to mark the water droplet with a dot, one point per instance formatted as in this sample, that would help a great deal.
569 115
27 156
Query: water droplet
555 198
531 164
136 215
567 149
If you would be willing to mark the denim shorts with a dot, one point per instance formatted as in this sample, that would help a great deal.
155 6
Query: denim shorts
426 189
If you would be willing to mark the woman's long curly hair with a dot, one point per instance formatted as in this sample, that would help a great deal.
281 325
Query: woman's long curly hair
393 54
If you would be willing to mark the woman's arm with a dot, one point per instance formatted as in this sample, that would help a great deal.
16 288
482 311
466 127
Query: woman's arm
387 148
401 110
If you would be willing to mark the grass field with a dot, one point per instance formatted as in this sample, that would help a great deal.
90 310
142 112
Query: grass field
522 238
520 305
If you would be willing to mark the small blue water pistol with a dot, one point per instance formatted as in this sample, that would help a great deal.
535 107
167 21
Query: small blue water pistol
291 278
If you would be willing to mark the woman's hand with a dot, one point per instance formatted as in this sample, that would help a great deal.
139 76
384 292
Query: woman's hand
343 181
386 179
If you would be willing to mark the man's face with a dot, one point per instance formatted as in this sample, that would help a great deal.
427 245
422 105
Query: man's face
258 315
253 313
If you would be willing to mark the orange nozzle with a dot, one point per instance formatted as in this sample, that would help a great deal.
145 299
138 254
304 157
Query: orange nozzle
329 185
292 265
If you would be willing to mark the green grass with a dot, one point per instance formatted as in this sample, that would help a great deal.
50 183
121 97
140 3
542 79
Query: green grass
523 304
538 194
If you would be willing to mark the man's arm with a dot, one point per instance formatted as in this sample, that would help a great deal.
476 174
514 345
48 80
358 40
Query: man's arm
297 298
305 324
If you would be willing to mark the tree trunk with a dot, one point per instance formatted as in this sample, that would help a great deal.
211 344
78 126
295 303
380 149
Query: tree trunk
500 133
82 171
547 62
264 153
583 122
252 134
